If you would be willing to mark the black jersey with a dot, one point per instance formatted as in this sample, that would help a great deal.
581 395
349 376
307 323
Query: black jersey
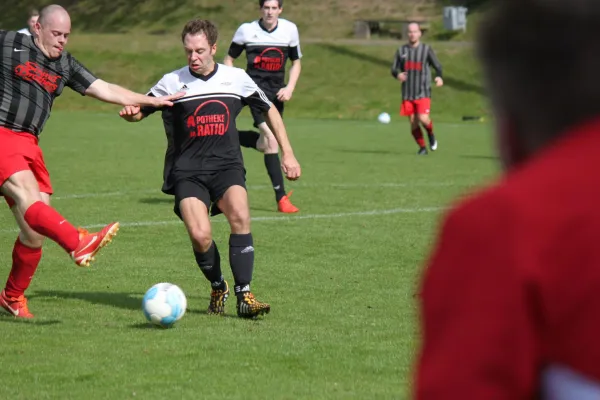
30 81
201 126
267 51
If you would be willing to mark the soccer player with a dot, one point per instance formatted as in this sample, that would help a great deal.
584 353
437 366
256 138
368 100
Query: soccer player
33 17
34 70
204 164
511 297
269 42
411 66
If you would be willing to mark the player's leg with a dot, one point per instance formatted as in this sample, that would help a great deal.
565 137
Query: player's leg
424 116
234 204
22 172
407 109
191 205
26 256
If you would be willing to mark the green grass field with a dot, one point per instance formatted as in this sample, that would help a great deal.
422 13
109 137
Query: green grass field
340 276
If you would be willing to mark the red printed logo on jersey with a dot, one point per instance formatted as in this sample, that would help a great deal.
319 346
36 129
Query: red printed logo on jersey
31 71
210 118
271 59
413 66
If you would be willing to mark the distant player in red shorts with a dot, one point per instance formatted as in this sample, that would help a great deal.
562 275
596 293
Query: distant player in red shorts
34 70
412 67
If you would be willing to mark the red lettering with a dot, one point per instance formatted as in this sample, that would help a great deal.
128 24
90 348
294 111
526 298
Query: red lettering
413 66
31 71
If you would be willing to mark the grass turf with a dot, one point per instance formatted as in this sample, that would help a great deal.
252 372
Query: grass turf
340 275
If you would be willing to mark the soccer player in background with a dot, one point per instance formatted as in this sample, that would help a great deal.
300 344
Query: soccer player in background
34 70
511 296
269 42
204 164
411 66
33 17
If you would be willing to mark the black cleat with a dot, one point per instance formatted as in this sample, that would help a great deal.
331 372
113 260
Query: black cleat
422 151
249 307
218 298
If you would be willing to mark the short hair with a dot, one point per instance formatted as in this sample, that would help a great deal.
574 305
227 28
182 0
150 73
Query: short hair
541 62
261 3
199 26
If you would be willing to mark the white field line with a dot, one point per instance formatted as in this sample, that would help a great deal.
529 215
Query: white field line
268 187
290 218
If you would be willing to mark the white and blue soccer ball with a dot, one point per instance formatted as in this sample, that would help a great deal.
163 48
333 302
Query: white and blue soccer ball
164 304
384 118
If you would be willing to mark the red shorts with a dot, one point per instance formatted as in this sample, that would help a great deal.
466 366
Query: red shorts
419 106
19 151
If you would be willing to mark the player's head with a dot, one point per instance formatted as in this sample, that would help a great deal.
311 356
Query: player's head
413 31
270 10
199 38
52 30
33 18
541 82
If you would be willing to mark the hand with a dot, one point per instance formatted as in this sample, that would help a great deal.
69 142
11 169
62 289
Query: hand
130 113
164 101
284 94
290 167
439 82
402 77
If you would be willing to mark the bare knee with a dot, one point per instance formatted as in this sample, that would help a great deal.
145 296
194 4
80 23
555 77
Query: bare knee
239 220
201 238
267 142
424 119
31 239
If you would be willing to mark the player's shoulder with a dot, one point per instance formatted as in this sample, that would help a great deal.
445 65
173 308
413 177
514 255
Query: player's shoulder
247 26
287 24
231 71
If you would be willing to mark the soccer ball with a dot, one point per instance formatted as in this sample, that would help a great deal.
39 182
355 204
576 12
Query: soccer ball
164 304
384 118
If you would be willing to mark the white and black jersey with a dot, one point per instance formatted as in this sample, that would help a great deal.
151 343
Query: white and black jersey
201 126
416 62
267 51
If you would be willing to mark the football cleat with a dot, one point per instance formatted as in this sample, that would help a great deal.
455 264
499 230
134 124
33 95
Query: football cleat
91 243
285 205
422 151
218 298
17 306
249 307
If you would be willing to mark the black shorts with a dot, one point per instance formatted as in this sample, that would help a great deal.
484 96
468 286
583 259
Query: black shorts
208 188
259 117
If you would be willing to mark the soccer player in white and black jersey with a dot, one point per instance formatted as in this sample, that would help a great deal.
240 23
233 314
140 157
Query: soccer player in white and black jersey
269 42
204 165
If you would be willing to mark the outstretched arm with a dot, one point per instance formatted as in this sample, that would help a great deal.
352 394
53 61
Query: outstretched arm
111 93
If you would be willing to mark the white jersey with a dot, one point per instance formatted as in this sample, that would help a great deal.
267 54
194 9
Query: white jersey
201 126
25 31
267 51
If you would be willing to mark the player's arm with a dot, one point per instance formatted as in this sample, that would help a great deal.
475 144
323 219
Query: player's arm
294 54
398 67
236 48
111 93
478 333
437 66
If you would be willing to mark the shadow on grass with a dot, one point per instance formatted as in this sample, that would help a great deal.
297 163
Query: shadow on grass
480 157
366 151
450 81
128 301
5 318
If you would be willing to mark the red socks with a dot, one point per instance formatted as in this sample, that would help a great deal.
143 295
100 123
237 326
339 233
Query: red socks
46 221
429 128
418 135
25 262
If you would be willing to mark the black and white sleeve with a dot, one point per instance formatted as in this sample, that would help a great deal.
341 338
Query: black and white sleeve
238 43
252 95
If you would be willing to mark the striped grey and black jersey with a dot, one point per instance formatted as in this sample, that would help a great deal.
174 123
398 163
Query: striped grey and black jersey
416 62
30 81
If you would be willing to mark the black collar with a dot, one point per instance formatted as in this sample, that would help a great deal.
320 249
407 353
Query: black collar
205 77
260 23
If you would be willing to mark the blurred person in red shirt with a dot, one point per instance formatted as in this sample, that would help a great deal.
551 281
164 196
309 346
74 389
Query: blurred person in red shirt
510 300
